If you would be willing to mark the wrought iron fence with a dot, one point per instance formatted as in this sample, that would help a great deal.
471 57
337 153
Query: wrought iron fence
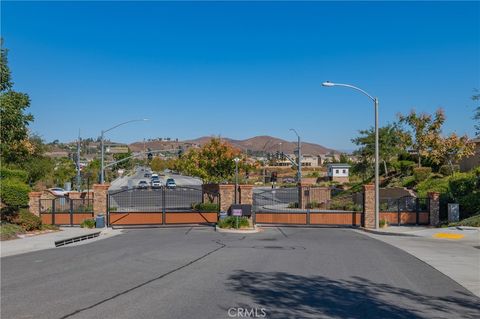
276 200
405 204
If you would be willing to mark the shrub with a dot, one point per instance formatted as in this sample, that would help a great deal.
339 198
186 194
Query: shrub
421 173
446 170
408 181
293 205
6 173
27 220
404 167
469 204
231 222
206 207
433 185
473 221
462 184
14 192
383 223
88 223
10 231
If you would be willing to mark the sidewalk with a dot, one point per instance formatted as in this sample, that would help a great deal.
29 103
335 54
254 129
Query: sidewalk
47 241
454 251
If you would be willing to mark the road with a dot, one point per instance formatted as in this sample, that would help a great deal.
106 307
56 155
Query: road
139 173
199 273
268 199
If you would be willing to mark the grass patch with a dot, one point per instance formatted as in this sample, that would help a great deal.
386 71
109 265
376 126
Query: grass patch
231 222
10 231
473 221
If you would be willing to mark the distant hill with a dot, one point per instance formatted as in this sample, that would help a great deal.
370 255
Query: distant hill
269 144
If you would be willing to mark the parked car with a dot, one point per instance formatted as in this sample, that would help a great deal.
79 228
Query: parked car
146 175
154 175
142 185
289 180
57 191
171 183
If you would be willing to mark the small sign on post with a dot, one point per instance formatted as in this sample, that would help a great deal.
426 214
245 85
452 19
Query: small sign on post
453 212
236 212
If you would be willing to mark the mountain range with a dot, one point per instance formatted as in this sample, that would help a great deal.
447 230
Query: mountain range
254 144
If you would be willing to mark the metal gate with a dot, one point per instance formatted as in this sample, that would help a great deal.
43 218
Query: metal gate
162 206
407 210
304 206
65 211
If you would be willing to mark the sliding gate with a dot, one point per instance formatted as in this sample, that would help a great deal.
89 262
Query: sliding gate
162 206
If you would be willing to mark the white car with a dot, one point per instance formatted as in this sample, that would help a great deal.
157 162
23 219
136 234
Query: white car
57 191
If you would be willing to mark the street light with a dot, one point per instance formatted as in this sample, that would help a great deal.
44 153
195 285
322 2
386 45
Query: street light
299 164
375 102
236 160
102 173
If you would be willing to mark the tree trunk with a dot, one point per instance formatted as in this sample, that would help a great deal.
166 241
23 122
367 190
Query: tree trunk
385 167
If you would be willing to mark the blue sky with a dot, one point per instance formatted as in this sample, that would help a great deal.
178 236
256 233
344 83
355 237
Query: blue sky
240 69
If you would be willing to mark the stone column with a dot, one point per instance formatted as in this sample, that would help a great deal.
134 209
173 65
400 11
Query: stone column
100 192
34 202
434 205
369 205
227 196
303 194
245 194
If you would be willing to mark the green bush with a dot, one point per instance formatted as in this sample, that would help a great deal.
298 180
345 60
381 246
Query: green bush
408 181
421 173
404 167
446 170
293 205
10 231
27 220
88 223
6 173
433 185
14 192
462 184
383 223
206 207
231 222
473 221
469 204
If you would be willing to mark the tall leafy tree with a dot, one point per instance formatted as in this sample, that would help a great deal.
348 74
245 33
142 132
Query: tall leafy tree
14 138
424 131
213 162
476 116
390 140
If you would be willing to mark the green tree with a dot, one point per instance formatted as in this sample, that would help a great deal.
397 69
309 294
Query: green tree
213 162
14 139
64 171
390 145
126 164
476 116
424 131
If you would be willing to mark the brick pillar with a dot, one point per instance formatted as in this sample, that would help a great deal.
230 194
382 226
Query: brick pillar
34 202
100 198
227 196
303 194
246 194
369 205
434 199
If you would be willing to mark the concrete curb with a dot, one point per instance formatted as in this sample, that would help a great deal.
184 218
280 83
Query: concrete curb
379 232
238 231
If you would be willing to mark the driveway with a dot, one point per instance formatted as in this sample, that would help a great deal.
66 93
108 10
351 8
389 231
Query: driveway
198 273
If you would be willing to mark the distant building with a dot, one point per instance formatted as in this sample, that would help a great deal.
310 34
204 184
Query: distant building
307 161
338 172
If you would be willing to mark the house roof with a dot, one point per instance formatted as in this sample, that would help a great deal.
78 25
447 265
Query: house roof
338 165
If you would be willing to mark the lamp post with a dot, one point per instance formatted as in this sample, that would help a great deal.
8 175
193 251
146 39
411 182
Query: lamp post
236 160
299 163
102 173
375 103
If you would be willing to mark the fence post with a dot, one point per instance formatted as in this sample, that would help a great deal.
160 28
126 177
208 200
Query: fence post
398 211
369 206
108 210
308 205
163 205
53 211
434 208
71 212
416 211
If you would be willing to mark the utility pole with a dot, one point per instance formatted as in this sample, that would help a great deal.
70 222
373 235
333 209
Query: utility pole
299 155
79 180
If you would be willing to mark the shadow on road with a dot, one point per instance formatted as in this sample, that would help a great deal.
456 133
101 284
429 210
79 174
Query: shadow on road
292 296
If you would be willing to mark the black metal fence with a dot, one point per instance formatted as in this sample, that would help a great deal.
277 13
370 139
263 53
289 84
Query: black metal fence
405 204
65 211
276 200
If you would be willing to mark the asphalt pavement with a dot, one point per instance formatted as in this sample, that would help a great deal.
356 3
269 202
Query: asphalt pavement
199 273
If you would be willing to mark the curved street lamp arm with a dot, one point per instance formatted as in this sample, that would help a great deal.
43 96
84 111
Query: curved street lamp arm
123 123
355 88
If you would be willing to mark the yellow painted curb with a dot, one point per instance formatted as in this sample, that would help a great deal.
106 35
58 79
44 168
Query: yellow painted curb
448 236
